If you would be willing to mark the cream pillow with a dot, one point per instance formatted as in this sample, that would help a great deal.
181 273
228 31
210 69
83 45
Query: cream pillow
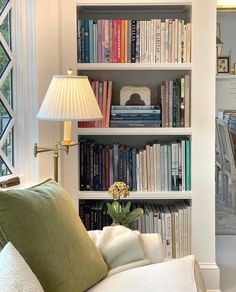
15 274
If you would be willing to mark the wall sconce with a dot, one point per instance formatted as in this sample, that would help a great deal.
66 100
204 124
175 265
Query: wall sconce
68 98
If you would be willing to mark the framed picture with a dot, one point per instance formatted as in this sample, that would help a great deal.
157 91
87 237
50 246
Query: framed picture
223 64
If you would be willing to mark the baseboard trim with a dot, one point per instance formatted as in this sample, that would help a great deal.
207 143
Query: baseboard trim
211 275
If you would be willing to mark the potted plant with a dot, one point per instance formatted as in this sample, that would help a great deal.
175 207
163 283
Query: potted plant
121 215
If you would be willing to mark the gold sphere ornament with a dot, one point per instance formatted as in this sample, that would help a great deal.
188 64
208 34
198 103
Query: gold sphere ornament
118 190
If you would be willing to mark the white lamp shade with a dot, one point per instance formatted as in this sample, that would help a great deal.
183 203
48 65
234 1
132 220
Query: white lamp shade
69 98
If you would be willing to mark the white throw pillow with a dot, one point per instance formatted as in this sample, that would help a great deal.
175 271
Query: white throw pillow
15 274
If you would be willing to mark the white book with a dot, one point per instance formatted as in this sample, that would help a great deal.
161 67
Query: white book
155 166
158 41
158 163
145 184
148 167
179 41
176 35
181 230
155 219
163 41
166 168
151 224
152 169
188 43
162 167
182 42
138 171
170 41
168 233
163 230
185 44
153 43
147 218
159 220
176 230
141 40
173 41
167 41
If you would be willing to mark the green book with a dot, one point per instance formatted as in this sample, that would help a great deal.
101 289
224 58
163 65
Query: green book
188 165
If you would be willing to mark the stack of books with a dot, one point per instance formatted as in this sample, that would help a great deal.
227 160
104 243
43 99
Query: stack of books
135 116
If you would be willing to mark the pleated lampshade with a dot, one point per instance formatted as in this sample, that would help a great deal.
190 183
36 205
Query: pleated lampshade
69 98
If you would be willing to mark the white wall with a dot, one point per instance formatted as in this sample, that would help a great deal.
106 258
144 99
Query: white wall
227 22
47 46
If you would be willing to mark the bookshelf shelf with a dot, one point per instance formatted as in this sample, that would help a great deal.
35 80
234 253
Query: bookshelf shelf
133 2
136 131
93 195
134 66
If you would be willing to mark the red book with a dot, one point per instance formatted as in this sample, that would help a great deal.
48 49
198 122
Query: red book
115 41
122 41
118 41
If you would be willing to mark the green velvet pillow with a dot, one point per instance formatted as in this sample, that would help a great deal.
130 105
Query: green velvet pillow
43 225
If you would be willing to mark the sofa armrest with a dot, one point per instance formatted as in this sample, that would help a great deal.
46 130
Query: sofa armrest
152 246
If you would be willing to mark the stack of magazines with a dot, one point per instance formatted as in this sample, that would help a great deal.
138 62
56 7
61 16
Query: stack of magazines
135 116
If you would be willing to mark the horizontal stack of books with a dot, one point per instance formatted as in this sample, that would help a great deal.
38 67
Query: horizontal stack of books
135 116
153 167
172 222
134 41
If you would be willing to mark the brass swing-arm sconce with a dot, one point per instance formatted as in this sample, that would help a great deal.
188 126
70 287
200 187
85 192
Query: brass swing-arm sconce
68 98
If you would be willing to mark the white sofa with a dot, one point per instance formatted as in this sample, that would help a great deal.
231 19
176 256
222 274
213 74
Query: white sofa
177 275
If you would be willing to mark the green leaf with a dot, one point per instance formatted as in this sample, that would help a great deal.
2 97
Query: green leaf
111 211
116 206
134 215
127 208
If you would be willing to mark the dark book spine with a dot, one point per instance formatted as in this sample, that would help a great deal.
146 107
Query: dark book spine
116 162
134 178
79 53
133 40
82 42
86 41
100 162
87 173
178 105
103 169
107 167
125 166
174 105
121 153
96 173
91 166
82 164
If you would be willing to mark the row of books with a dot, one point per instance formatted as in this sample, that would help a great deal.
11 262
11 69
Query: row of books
175 102
153 167
171 221
103 93
135 116
133 41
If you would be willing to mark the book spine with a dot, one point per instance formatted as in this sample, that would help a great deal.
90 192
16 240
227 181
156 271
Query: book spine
134 111
134 107
79 53
137 48
158 41
129 41
82 164
115 41
95 41
110 41
104 103
108 110
100 167
116 162
91 40
133 40
163 41
119 41
134 166
82 42
187 165
106 41
91 167
86 41
187 107
99 36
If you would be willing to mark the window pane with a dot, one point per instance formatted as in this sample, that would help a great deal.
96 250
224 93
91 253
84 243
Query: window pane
5 29
4 119
3 4
4 59
7 89
4 170
8 147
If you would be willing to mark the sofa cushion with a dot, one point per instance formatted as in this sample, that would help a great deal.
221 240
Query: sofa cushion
15 274
43 225
176 275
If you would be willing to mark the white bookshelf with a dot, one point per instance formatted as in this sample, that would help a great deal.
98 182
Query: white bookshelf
202 70
93 195
136 131
134 66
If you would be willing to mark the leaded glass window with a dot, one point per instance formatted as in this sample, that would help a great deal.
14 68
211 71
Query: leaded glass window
7 114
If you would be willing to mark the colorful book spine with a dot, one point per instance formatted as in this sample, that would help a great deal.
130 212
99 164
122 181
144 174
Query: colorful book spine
133 40
86 41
